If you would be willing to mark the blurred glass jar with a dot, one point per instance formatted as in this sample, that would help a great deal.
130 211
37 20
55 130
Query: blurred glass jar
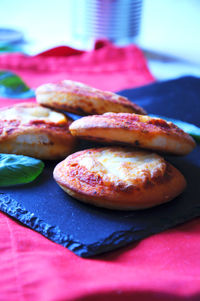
115 20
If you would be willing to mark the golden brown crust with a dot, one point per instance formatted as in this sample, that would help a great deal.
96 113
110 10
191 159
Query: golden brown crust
147 185
137 130
23 132
81 99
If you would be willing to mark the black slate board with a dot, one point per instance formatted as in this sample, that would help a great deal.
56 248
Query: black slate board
88 231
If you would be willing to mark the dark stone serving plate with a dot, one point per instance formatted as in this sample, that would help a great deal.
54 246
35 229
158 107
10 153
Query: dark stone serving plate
87 230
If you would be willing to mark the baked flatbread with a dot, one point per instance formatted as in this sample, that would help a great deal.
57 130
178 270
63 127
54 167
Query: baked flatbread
81 99
32 130
119 178
135 130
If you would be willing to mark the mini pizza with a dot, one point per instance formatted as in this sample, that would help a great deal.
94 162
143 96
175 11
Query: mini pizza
119 178
32 130
135 130
81 99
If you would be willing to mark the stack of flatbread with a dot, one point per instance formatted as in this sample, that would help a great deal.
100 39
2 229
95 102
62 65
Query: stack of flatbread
127 174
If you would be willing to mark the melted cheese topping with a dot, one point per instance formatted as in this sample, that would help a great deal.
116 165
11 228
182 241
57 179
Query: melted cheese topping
27 114
123 166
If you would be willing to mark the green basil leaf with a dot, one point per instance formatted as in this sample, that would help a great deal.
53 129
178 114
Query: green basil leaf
18 169
12 86
187 127
6 48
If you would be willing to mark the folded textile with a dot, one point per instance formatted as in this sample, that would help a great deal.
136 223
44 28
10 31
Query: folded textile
107 67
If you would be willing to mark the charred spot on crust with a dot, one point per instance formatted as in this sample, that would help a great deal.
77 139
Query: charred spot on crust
75 109
48 143
79 110
147 184
159 178
137 143
159 122
123 187
90 104
93 111
100 138
91 179
144 131
168 171
86 177
38 123
49 125
65 107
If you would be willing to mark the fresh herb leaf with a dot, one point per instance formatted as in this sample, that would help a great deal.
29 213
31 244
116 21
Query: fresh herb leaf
18 169
6 48
187 127
12 86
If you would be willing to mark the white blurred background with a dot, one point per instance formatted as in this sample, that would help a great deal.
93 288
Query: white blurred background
169 32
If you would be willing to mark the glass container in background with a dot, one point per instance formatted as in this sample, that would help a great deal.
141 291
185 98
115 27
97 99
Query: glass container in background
115 20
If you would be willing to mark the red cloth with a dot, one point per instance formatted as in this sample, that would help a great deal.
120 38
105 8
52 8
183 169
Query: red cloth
162 267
